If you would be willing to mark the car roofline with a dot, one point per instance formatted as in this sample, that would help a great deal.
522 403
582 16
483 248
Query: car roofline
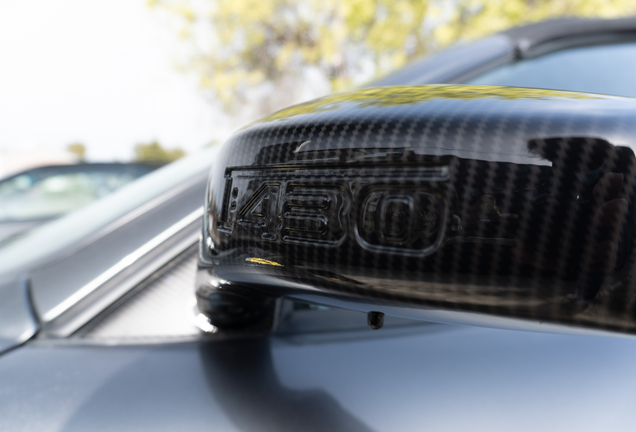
470 59
550 30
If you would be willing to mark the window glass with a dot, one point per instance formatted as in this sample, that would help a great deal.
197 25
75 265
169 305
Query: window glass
606 69
27 197
54 236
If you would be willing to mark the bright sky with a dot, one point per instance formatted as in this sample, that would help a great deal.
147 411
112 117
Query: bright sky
97 72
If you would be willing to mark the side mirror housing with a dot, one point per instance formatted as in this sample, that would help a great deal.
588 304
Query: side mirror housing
501 207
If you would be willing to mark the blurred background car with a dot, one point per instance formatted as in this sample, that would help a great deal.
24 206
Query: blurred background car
33 197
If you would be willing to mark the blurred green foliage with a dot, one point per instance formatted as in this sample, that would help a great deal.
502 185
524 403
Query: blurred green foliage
154 152
409 95
265 48
78 149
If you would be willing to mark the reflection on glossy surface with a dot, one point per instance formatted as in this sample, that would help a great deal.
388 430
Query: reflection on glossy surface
437 378
410 95
500 201
586 68
243 378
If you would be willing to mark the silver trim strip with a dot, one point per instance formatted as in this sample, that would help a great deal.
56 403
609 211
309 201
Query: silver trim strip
122 265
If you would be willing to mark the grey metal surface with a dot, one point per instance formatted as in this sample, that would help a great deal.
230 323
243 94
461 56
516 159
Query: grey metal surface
163 309
433 378
55 283
561 28
573 69
62 257
65 258
17 321
108 246
449 64
465 61
126 274
10 229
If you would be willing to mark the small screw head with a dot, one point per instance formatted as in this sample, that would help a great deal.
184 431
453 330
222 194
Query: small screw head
375 320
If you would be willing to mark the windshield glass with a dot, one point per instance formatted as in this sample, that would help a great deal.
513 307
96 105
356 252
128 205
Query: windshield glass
606 69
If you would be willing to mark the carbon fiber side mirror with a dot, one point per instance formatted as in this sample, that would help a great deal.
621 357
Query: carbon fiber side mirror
492 206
